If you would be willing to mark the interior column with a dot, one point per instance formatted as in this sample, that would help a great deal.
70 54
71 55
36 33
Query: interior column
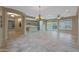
58 25
74 26
16 24
23 24
5 27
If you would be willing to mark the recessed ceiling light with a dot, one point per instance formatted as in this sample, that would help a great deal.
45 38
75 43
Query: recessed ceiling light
9 13
12 15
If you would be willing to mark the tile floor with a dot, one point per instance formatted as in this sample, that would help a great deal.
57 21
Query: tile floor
44 41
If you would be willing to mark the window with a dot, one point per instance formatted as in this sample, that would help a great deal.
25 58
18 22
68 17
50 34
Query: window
51 26
65 24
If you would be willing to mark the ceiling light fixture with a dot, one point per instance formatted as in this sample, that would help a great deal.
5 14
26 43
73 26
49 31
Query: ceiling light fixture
58 17
9 13
39 17
12 15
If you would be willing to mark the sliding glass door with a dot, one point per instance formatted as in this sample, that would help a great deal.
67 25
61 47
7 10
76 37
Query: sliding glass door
65 24
51 26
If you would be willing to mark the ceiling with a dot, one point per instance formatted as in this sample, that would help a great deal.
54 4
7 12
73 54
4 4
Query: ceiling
48 12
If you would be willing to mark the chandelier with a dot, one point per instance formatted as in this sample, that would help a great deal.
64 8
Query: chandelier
39 17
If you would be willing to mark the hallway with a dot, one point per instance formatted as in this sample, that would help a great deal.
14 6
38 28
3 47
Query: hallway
44 41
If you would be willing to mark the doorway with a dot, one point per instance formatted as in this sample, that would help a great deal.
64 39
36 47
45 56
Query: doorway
14 25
